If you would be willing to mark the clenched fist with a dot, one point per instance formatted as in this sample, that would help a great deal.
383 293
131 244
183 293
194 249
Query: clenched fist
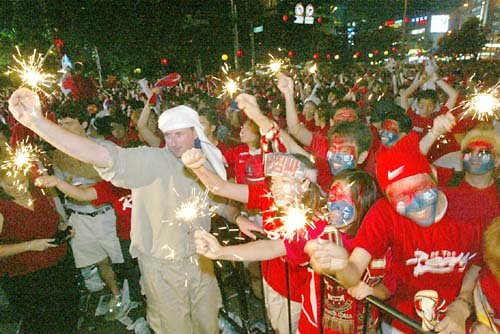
24 105
248 103
326 256
193 158
207 245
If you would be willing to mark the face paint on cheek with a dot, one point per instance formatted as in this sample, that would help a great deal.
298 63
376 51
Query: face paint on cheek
388 138
422 207
478 158
341 213
341 155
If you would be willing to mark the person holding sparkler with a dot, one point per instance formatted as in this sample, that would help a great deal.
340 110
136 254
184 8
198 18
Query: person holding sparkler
292 188
36 272
431 250
181 289
338 310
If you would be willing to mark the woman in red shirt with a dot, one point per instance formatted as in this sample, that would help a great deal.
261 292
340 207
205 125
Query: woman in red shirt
37 275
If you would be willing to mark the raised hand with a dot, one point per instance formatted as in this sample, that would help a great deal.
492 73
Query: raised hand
248 103
326 256
207 245
443 124
285 85
193 158
24 105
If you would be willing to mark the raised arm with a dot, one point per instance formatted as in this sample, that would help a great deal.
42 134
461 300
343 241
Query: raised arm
441 125
142 124
408 92
25 107
80 193
449 90
194 160
300 132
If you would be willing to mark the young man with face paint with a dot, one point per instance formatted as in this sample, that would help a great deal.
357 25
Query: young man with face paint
395 125
430 249
478 193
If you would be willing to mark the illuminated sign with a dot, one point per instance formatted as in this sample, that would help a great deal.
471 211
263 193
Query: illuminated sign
439 23
418 31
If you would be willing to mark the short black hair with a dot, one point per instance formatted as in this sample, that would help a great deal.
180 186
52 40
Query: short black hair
428 94
356 131
346 105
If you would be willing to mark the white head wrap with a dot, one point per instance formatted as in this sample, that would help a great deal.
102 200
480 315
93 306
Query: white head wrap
182 117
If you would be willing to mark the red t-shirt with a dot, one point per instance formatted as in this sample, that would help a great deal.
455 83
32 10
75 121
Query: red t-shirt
122 203
310 125
434 257
474 205
21 224
245 167
490 285
341 312
447 143
274 271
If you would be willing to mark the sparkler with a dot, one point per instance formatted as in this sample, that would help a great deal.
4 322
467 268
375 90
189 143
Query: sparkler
30 71
230 86
295 218
275 66
194 207
20 160
483 106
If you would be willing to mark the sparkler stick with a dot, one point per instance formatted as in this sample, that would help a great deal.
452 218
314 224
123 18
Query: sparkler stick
30 71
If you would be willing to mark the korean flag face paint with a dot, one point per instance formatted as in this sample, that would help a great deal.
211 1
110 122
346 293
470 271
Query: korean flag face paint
416 198
389 134
341 208
479 157
341 155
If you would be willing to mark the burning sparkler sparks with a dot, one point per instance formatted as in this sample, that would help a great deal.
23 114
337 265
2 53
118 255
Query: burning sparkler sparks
194 207
20 160
30 71
483 106
294 219
275 66
231 86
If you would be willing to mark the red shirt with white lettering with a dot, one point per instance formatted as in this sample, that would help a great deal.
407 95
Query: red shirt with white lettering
122 203
423 258
274 271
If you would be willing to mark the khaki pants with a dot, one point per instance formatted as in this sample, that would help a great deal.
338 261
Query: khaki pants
277 310
182 296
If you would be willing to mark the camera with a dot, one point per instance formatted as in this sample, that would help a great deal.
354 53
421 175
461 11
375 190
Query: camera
62 236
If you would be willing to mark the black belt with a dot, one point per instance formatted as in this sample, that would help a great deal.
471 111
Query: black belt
91 214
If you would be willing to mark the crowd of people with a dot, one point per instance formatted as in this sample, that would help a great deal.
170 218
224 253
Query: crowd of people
395 183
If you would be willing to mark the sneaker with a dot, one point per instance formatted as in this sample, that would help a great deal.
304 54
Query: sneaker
116 308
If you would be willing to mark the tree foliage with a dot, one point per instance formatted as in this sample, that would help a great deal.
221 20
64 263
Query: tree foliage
469 39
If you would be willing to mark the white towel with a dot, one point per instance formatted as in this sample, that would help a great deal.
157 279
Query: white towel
182 117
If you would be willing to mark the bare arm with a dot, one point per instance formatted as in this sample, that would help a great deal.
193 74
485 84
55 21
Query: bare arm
25 107
80 193
194 159
460 309
304 136
441 125
260 250
450 91
142 126
408 92
38 245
